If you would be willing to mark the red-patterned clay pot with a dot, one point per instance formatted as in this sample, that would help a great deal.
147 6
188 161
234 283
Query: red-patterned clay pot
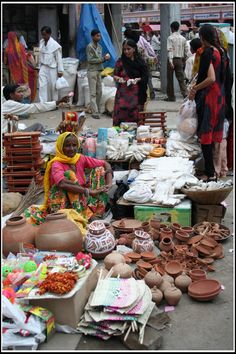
16 232
142 242
60 234
99 241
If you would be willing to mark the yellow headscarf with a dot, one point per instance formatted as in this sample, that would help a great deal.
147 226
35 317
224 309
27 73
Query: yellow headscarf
61 158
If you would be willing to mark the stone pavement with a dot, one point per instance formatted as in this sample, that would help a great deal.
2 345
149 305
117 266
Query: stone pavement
193 325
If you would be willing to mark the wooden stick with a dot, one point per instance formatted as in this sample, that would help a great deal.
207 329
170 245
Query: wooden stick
127 333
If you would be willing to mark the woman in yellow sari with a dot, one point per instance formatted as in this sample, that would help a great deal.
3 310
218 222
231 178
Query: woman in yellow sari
66 185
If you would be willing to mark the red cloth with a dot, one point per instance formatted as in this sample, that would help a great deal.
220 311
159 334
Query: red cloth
230 148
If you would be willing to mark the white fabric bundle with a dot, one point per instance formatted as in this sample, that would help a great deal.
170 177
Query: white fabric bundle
139 194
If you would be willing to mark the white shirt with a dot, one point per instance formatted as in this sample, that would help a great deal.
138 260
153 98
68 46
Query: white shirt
14 107
51 54
177 46
189 66
146 47
155 43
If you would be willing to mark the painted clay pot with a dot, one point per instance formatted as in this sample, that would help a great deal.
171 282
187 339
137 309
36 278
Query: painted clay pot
60 234
142 242
112 259
16 232
99 241
172 295
182 282
157 295
166 244
153 278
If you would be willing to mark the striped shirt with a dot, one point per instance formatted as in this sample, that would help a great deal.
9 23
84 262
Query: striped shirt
177 46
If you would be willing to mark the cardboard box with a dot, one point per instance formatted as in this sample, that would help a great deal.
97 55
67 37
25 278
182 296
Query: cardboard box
212 213
67 311
180 214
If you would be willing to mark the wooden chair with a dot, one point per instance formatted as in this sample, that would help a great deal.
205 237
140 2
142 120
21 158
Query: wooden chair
153 119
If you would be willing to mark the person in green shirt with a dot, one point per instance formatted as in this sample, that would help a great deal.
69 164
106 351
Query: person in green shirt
95 61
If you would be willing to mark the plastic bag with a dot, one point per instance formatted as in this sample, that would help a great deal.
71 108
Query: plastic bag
138 194
61 83
187 119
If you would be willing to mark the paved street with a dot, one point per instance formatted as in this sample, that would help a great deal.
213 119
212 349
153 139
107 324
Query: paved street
193 325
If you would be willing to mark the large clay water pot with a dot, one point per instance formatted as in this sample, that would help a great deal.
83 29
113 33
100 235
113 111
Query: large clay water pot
60 234
99 240
17 232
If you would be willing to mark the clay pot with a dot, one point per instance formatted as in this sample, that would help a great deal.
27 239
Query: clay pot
166 232
155 234
142 242
16 232
112 259
188 229
153 278
155 223
60 234
182 235
197 274
157 295
164 285
182 282
168 278
123 270
145 226
172 295
109 227
175 226
99 241
166 244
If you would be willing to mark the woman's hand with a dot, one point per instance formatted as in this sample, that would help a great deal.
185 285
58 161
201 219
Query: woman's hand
192 93
96 192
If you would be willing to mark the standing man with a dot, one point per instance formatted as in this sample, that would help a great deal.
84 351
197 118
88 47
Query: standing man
95 60
177 49
50 66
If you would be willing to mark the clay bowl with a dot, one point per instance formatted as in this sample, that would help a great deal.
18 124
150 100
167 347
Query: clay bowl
127 259
208 260
148 255
211 241
142 272
203 250
182 236
206 242
205 297
195 239
188 229
204 287
145 265
197 274
133 256
173 268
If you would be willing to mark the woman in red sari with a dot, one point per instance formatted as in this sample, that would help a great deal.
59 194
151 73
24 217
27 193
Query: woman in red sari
209 94
131 76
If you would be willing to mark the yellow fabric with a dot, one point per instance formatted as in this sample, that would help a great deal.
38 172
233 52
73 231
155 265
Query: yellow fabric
76 218
107 71
61 158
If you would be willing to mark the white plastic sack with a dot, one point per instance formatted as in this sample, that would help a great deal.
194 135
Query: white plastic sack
61 83
187 119
107 92
109 81
139 194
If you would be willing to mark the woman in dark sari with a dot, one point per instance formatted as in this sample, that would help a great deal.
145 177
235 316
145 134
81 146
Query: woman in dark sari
209 94
131 76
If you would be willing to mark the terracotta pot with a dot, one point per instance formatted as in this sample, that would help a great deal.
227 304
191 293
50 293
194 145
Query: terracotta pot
112 259
109 227
99 241
157 295
145 226
182 235
16 232
166 232
182 282
153 278
173 268
60 234
142 242
168 278
188 229
175 226
164 285
166 244
155 234
172 295
123 270
197 274
155 223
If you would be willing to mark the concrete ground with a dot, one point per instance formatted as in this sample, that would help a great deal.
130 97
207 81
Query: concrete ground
194 326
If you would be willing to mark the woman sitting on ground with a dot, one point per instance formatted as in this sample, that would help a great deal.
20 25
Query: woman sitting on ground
65 184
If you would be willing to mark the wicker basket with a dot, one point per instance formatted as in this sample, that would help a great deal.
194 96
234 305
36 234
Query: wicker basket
208 197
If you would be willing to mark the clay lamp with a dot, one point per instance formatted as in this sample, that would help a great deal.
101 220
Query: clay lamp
182 235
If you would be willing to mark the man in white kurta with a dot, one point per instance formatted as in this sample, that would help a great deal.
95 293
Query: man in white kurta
50 66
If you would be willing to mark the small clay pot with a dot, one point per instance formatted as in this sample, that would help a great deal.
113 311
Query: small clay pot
182 282
182 235
197 274
175 226
153 278
164 285
142 242
112 259
123 270
188 229
166 244
168 278
145 226
166 232
155 223
109 227
172 295
173 268
157 295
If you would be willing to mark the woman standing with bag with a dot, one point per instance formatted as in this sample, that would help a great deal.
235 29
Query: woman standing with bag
209 95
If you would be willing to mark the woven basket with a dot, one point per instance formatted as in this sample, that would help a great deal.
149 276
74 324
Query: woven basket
208 197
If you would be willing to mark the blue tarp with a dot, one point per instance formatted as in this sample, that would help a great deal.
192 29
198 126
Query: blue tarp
91 19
